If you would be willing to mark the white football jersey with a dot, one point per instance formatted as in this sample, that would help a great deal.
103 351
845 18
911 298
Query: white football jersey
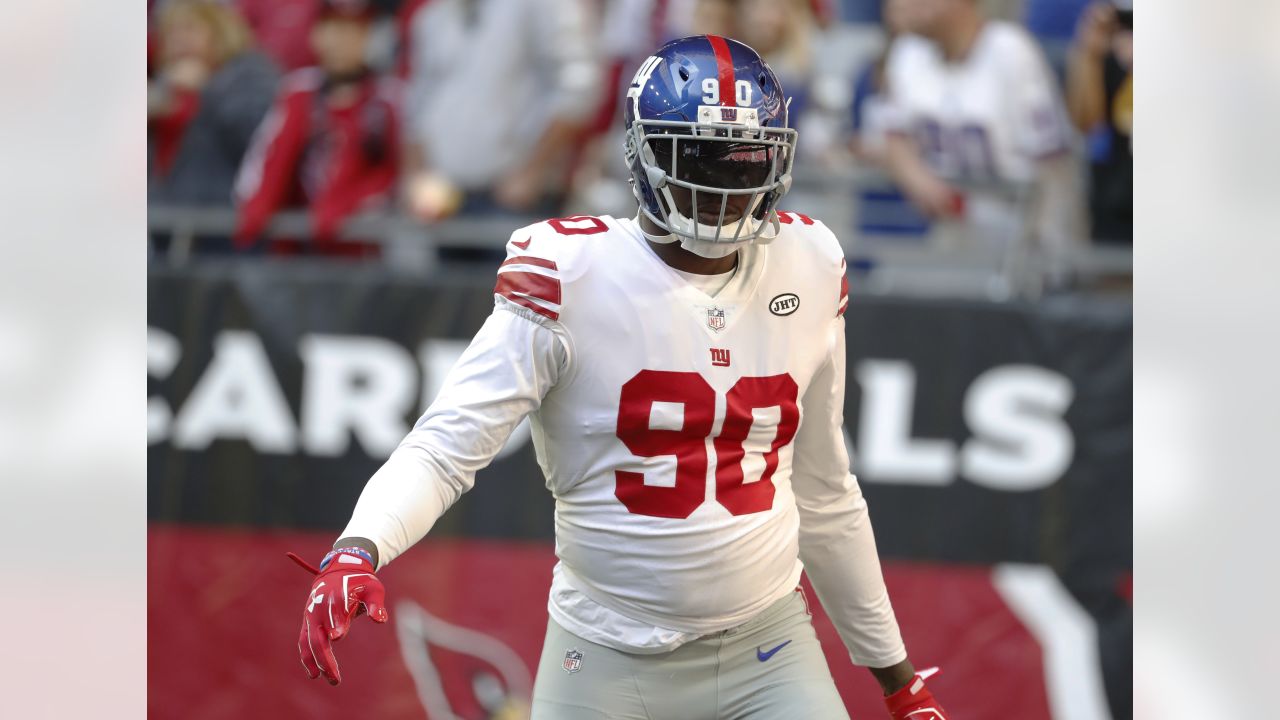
668 446
693 444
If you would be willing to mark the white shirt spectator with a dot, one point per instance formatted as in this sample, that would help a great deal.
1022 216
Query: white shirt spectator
488 76
990 119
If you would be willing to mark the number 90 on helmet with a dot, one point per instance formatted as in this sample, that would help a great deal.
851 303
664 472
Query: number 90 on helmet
707 141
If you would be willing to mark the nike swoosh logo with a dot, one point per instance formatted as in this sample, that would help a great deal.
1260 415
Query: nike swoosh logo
762 656
523 245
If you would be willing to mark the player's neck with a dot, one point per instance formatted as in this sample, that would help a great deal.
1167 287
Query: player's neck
677 257
961 35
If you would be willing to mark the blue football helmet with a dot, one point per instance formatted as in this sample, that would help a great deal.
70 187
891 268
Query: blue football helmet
707 139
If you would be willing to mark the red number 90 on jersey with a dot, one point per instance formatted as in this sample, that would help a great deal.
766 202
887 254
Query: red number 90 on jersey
688 443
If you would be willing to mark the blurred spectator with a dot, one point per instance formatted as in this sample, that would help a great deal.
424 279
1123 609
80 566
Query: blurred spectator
331 141
882 208
788 36
498 90
282 28
871 107
711 17
782 32
1100 98
630 30
979 120
210 92
723 17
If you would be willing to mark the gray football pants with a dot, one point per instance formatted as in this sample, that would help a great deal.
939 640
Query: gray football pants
769 668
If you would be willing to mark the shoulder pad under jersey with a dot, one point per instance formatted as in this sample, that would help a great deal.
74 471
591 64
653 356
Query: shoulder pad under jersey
824 249
540 257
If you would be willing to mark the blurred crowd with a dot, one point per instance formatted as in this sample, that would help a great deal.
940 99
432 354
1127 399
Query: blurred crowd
1015 115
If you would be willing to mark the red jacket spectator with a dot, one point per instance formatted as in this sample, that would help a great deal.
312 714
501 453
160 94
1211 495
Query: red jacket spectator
209 91
282 28
327 145
167 126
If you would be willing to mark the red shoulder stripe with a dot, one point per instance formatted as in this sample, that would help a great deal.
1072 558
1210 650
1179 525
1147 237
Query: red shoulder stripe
531 284
523 288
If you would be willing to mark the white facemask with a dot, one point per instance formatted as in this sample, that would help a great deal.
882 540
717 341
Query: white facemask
703 245
707 248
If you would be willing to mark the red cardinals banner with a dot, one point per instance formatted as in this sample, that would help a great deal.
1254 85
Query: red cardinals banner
467 625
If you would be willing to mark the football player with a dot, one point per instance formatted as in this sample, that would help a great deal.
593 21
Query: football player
684 372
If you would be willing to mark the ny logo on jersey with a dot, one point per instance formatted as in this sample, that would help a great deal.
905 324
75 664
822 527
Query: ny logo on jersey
720 357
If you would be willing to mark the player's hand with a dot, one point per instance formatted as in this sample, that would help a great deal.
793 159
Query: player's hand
915 702
345 588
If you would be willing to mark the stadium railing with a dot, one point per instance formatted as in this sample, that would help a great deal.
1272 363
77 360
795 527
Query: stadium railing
932 263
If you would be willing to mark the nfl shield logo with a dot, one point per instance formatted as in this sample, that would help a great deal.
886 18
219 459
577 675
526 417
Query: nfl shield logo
715 318
572 661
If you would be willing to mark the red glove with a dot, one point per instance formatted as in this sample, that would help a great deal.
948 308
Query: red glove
345 587
915 702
